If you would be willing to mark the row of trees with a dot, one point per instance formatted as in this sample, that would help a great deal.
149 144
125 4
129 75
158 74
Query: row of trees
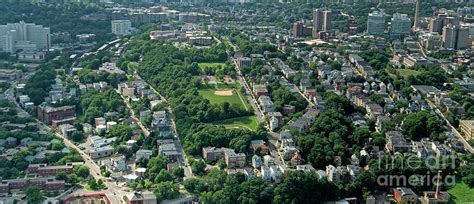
94 104
295 187
200 136
87 76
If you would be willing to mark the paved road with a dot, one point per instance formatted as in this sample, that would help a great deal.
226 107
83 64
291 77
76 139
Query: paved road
250 97
253 101
272 136
422 50
301 93
183 161
134 117
467 146
88 162
273 148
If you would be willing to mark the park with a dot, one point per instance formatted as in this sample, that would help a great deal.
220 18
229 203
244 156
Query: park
230 93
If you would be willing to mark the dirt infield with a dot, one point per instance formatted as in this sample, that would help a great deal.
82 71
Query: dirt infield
223 93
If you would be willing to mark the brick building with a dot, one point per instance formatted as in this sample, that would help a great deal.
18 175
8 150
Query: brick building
47 184
47 113
45 170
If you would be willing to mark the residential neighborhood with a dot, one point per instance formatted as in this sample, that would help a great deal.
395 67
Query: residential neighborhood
236 102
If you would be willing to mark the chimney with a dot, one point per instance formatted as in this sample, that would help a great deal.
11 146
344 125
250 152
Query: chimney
417 12
438 185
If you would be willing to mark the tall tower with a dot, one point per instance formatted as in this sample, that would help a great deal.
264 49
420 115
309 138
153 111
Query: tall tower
376 23
321 21
417 12
438 185
317 21
326 21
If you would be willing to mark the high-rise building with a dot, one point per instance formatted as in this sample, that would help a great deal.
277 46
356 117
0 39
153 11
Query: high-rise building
24 36
442 18
326 21
299 29
435 25
431 40
321 21
465 11
352 25
121 27
317 21
417 13
449 36
456 37
438 23
401 24
376 23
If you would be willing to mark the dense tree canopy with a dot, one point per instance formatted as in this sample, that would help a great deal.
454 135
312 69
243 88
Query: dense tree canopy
330 134
295 187
34 195
422 124
94 104
218 136
39 85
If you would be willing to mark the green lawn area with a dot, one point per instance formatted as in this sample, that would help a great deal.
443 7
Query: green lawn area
215 99
407 72
210 64
461 193
249 122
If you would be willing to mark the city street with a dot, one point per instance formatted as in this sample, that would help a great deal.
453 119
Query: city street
253 101
134 117
113 190
272 136
183 162
301 93
467 146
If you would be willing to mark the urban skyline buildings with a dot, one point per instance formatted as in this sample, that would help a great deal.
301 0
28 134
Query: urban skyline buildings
321 21
300 29
121 27
455 37
417 13
352 25
400 24
24 36
376 23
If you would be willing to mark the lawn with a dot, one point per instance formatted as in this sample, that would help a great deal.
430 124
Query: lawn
407 72
461 193
249 122
210 64
215 99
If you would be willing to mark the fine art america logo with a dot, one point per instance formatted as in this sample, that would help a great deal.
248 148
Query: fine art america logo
414 163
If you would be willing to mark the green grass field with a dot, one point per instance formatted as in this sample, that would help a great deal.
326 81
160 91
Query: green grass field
210 64
249 122
215 99
461 193
407 72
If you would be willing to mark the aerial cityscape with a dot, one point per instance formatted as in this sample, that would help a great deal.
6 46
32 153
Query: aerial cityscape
236 101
